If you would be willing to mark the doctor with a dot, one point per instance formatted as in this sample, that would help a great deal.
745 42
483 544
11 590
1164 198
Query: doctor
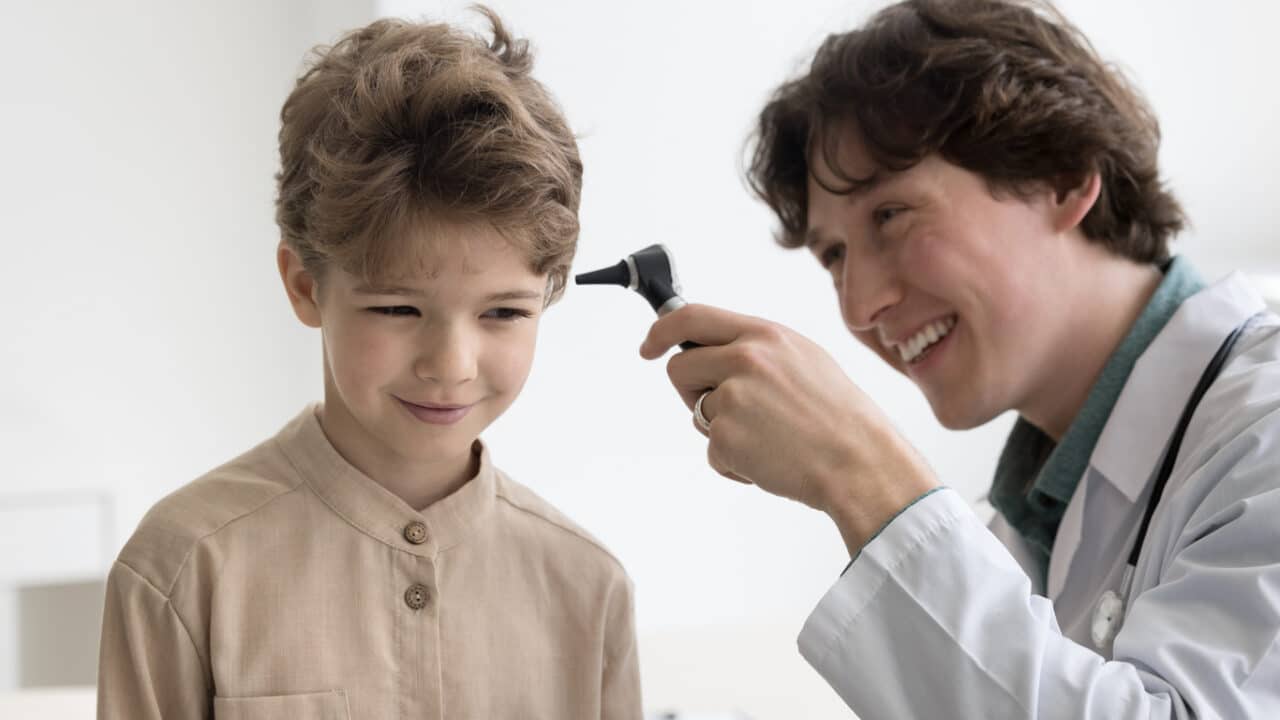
984 193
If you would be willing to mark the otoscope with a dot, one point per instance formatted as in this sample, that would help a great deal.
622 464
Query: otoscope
650 272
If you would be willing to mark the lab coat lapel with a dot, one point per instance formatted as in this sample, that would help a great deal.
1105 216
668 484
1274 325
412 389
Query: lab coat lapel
1145 414
1148 408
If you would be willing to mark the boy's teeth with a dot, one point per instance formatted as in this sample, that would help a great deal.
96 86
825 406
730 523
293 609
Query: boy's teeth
928 335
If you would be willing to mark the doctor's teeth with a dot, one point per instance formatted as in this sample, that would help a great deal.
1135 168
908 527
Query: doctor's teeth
914 346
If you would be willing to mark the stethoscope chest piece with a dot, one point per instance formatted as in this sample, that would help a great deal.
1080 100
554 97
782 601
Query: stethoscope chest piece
1106 619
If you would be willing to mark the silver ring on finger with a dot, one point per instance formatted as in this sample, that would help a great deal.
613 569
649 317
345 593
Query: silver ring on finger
698 417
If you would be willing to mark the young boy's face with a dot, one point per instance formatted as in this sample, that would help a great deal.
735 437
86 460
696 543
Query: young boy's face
416 368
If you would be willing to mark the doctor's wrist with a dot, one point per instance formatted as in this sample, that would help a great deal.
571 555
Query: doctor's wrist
861 504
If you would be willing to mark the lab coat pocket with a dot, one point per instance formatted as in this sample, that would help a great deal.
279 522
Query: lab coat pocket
330 705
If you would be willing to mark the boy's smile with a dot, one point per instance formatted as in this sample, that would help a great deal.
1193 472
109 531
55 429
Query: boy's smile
436 414
417 366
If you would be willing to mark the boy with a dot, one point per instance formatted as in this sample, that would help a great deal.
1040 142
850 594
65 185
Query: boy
369 561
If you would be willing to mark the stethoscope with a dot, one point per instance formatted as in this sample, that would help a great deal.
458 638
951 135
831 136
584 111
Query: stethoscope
1109 613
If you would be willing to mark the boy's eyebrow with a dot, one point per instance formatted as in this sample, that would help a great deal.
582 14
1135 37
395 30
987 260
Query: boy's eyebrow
386 290
514 295
398 290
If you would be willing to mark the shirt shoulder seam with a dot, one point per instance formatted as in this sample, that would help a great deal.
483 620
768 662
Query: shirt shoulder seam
563 527
196 542
168 601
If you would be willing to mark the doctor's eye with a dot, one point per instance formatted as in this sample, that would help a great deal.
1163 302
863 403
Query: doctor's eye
396 311
884 214
831 255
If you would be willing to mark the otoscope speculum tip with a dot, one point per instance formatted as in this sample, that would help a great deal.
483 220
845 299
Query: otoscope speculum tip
619 274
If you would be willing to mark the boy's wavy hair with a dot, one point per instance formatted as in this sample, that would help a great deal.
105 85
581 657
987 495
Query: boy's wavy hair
1009 90
400 126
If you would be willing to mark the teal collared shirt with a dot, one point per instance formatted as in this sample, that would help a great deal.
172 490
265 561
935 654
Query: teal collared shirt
1035 478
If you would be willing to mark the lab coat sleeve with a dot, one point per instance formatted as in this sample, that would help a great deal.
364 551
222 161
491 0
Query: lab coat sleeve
936 620
148 666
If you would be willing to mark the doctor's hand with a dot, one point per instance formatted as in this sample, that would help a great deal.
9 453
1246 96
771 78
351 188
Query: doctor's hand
785 417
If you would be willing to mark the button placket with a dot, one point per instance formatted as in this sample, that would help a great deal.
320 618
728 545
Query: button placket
416 596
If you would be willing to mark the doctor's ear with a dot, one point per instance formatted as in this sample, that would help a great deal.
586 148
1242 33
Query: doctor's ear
1072 200
300 284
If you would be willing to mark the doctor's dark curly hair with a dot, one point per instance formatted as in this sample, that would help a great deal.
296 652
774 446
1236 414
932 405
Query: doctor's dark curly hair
402 126
1007 89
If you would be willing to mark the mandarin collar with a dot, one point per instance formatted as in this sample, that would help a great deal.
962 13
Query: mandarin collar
373 509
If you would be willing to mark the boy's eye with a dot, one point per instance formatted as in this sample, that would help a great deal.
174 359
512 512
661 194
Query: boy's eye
507 314
396 311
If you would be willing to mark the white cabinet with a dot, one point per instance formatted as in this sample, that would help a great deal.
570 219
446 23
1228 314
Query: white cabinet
55 538
55 549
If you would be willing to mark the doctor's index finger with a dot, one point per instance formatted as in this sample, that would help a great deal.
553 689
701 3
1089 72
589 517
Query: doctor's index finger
695 371
703 324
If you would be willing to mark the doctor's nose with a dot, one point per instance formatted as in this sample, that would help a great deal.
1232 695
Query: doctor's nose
447 356
867 288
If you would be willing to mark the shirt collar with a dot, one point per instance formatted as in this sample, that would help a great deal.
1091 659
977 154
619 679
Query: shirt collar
373 509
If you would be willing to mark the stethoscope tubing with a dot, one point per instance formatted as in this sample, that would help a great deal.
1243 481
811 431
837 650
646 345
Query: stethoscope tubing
1210 374
1111 607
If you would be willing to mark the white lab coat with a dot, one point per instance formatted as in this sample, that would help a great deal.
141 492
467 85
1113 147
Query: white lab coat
936 619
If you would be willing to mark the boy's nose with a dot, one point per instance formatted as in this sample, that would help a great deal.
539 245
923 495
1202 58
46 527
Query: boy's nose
447 357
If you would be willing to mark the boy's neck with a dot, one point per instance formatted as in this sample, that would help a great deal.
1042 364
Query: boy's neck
418 484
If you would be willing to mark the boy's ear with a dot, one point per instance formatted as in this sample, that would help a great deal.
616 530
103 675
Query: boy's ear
300 284
1072 204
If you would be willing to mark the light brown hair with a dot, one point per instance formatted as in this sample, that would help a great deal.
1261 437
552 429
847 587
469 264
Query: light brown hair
1007 89
400 126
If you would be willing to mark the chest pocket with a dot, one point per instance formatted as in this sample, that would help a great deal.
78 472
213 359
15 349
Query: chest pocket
330 705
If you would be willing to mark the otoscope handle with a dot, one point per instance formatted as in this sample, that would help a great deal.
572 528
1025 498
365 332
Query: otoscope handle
673 303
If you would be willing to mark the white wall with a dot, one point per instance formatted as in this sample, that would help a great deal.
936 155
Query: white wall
144 334
146 338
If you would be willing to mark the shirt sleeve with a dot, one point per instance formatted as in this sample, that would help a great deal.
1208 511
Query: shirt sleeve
148 666
620 686
936 619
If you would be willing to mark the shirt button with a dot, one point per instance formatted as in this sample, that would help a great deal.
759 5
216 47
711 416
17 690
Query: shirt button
416 596
415 532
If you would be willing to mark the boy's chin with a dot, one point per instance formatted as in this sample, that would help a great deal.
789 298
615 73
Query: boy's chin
433 450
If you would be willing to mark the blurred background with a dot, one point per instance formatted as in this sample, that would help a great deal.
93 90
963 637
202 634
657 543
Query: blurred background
146 338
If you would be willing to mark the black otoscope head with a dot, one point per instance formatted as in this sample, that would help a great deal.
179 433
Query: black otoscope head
650 272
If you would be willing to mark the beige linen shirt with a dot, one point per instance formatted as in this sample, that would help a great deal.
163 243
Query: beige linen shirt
286 584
